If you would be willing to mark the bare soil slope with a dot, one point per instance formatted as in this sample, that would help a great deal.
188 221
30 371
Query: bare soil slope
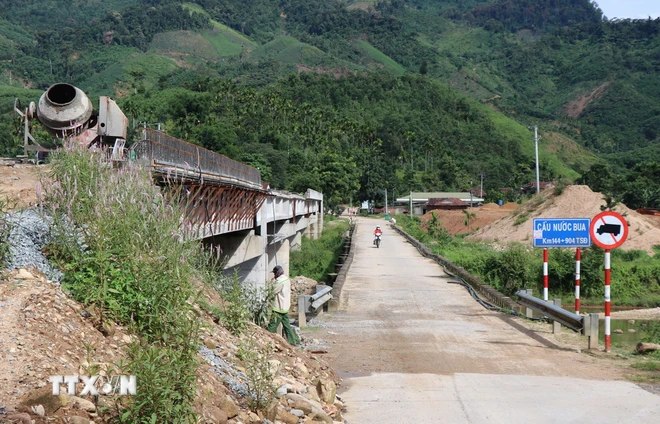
454 221
576 201
18 183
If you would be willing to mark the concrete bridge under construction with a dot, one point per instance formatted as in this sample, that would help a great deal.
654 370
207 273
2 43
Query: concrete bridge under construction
252 227
228 207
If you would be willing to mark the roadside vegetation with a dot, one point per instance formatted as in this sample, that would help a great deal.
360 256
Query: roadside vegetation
317 258
121 247
650 362
635 274
4 231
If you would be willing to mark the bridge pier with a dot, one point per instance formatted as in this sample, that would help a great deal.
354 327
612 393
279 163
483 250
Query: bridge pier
278 254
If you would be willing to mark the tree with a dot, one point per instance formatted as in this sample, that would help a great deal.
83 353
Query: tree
468 217
436 230
424 68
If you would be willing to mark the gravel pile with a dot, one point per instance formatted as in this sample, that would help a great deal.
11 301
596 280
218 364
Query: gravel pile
29 233
227 371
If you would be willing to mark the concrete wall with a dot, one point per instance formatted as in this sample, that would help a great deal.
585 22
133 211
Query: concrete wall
276 230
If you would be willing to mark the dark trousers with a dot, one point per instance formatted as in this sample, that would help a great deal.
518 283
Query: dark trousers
289 333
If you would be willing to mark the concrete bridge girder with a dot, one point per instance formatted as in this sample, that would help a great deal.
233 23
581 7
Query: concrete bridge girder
275 230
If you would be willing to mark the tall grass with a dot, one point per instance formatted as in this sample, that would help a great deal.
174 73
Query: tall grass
120 243
317 258
5 229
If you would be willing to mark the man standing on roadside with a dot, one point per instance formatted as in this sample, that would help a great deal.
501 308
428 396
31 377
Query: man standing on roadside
282 289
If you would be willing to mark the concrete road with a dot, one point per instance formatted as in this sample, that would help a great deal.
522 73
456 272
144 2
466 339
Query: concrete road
413 348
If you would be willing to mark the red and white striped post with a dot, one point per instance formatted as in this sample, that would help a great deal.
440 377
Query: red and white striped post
545 274
577 281
608 341
612 231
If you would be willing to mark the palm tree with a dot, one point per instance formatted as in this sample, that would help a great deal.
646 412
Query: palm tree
468 216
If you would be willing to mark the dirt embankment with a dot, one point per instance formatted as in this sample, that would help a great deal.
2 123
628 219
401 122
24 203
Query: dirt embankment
454 221
18 183
44 333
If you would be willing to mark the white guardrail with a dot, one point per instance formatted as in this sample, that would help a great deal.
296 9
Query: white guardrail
313 304
587 325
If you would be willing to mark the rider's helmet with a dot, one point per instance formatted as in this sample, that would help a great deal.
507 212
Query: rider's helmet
378 227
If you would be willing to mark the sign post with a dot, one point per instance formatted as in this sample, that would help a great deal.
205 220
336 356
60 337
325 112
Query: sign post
609 230
577 281
560 232
545 274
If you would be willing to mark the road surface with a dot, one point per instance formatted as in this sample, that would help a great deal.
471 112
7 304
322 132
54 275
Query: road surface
413 348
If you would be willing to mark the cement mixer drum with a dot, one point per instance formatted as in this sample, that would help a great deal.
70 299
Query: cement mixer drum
64 110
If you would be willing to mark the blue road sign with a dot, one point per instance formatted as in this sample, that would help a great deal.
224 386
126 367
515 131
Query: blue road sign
562 232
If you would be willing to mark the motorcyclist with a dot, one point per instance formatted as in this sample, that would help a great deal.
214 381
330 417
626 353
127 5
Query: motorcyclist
377 232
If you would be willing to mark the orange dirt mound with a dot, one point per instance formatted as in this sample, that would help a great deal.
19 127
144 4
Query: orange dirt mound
454 221
510 206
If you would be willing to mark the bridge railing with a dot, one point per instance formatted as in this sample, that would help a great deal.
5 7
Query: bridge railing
179 158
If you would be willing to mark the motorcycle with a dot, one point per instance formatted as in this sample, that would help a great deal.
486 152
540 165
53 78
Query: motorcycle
377 241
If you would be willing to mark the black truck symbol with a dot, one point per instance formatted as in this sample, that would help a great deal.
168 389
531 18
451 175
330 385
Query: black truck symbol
609 228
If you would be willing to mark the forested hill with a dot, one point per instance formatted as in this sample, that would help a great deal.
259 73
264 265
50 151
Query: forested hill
323 88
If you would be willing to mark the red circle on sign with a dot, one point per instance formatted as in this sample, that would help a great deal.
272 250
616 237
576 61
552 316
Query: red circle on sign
611 223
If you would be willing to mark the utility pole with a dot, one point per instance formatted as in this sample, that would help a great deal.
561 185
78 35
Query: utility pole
481 187
471 205
411 209
536 146
386 211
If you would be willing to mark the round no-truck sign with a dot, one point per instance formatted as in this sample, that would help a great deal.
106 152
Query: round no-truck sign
608 230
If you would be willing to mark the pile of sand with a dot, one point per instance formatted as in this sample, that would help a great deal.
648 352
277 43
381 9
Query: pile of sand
576 201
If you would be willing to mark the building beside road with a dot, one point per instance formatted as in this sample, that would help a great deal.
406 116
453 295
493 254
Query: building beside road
421 199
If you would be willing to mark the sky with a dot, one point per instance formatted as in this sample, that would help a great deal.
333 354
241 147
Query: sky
633 9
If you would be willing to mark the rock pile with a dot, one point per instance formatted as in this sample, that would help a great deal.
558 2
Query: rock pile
29 233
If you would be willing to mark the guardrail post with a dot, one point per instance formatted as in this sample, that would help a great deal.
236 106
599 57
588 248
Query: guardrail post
593 331
556 326
529 312
590 330
302 316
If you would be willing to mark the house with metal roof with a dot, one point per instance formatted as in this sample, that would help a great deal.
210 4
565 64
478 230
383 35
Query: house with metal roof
420 198
448 204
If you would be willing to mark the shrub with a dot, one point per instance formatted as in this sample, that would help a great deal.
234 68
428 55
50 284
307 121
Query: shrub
510 270
242 303
652 332
121 246
5 230
561 185
317 258
261 390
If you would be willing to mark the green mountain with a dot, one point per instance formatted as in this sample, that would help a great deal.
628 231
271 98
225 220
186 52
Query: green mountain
417 94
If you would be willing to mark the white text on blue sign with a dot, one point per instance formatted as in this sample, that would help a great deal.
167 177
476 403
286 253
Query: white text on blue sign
558 232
